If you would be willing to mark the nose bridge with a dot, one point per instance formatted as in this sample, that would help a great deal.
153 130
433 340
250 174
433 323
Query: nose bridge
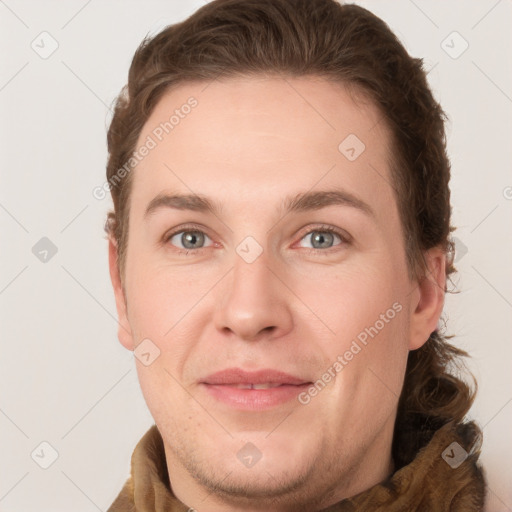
252 299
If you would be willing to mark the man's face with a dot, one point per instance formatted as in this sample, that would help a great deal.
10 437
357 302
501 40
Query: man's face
265 289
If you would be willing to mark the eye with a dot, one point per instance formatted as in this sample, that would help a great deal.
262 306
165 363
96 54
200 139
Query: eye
187 240
323 238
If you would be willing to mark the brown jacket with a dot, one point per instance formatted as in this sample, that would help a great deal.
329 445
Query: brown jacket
443 477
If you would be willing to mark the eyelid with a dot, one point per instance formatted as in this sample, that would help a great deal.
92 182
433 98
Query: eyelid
345 237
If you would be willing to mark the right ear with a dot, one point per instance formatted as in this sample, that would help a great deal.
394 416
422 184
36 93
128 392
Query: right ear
124 331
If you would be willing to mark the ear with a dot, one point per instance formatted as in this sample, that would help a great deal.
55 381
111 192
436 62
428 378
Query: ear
124 332
428 301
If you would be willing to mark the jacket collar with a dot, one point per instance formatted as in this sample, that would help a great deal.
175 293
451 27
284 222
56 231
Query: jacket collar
444 476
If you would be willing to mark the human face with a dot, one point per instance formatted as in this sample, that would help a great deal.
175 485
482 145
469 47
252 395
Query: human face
262 287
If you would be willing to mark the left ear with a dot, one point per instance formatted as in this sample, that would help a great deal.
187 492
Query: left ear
428 299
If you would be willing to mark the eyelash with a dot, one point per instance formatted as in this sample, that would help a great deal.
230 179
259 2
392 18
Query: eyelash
322 229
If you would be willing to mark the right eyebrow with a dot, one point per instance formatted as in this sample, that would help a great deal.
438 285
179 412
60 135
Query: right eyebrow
191 202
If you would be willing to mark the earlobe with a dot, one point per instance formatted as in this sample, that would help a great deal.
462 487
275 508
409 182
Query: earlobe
430 298
124 332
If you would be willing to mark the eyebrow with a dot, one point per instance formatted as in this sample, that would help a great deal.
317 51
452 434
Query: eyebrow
301 202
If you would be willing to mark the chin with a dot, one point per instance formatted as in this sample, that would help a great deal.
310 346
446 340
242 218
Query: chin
277 469
265 486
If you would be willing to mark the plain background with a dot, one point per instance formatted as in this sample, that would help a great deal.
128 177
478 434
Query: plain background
65 379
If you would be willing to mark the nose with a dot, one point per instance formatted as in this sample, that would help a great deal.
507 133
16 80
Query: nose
253 302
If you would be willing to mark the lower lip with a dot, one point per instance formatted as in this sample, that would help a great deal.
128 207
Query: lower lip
254 399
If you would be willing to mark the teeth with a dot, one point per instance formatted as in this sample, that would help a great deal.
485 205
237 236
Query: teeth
267 385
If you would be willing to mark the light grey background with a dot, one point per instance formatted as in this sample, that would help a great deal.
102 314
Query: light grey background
65 378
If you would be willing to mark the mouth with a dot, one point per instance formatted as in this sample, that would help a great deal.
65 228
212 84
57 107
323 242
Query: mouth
253 391
267 385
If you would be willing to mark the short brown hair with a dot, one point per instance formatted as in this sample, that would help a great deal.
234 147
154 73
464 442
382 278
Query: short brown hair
345 44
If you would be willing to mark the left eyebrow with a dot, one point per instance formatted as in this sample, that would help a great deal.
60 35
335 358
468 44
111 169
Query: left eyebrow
322 199
302 202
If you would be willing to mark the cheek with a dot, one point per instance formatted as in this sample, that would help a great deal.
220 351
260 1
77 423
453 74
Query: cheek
148 312
367 389
165 306
345 300
368 320
157 386
157 297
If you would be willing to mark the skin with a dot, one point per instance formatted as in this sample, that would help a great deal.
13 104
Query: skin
249 143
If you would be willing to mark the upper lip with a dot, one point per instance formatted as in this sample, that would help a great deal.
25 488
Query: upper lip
264 376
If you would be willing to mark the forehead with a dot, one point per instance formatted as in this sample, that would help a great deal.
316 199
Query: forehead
257 135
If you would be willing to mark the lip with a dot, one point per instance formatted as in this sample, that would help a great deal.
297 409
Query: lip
238 376
223 386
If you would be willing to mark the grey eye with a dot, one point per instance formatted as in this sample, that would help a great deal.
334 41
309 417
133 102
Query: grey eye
321 239
189 239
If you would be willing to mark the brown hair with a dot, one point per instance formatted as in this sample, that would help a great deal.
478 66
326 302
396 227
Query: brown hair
345 44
